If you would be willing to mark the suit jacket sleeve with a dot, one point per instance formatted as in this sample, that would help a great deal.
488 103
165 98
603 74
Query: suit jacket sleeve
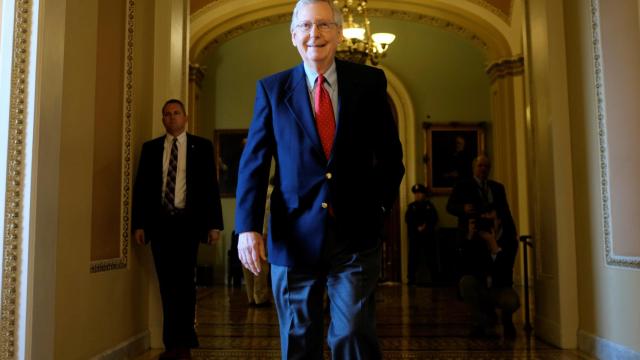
255 163
388 149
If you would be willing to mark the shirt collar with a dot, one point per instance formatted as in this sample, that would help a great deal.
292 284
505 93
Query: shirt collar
181 138
331 76
479 182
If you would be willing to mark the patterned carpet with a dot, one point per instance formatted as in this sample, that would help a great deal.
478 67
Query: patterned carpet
413 323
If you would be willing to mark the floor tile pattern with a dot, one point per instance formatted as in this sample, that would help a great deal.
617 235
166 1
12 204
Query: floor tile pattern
413 323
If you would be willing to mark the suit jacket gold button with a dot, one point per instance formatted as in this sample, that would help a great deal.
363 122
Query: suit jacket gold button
324 205
328 176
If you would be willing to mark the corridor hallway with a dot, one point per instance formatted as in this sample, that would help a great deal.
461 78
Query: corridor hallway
413 323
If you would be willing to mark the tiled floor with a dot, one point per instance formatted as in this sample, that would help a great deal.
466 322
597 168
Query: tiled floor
413 323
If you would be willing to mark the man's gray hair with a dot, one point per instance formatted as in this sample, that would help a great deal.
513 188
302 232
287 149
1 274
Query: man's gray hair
337 14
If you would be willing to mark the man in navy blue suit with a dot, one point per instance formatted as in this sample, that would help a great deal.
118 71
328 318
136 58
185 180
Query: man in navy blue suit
329 128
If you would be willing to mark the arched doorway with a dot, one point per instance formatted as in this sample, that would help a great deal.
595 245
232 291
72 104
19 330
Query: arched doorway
219 22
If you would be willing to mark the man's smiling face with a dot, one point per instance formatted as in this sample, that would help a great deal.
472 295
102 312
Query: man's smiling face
316 47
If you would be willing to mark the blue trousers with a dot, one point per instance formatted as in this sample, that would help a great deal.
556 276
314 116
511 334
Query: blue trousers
350 280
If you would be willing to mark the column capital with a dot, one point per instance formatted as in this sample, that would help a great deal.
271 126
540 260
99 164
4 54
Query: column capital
505 68
196 74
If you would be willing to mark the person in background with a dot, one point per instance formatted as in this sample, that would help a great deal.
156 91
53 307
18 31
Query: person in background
488 244
338 166
421 218
487 281
176 205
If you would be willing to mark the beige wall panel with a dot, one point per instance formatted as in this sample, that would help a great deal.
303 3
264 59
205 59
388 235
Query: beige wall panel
607 295
620 58
107 156
95 312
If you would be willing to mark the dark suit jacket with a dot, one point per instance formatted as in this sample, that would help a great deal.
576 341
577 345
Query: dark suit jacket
359 181
202 203
476 259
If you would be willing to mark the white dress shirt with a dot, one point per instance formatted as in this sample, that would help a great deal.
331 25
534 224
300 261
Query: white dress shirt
181 174
330 83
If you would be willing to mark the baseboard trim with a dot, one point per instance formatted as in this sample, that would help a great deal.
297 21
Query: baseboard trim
548 330
128 349
601 348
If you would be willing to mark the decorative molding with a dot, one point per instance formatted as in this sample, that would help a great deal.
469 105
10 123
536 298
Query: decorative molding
125 208
499 13
245 28
12 249
373 12
196 74
204 8
601 348
431 21
505 68
610 257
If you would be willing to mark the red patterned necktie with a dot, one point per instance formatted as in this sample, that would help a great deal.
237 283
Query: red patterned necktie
325 119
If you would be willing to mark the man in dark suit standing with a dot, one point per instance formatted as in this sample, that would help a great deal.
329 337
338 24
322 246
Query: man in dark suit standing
488 243
338 159
176 205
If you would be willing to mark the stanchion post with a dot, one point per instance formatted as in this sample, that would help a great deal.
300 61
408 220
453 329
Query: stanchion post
526 242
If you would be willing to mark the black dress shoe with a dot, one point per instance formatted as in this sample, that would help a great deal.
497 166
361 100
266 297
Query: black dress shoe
168 355
183 354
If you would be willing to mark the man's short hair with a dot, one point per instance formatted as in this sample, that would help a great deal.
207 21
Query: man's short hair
337 14
419 188
480 156
174 101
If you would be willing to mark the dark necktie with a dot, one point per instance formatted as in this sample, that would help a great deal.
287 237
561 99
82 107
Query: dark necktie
485 191
325 119
169 196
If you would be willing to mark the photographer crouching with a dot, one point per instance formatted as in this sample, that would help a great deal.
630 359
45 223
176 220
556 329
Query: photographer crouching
488 245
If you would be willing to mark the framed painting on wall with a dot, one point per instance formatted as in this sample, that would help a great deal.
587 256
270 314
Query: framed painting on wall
449 152
229 145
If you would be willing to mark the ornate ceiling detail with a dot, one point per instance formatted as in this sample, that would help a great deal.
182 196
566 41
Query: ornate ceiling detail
381 13
431 21
197 5
244 28
502 8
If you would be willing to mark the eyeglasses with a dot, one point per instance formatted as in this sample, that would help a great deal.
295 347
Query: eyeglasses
323 26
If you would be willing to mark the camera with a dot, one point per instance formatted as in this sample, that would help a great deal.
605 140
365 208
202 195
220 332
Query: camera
482 221
484 224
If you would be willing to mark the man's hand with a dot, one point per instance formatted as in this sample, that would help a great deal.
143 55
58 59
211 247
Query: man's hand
214 235
251 251
469 209
138 236
490 240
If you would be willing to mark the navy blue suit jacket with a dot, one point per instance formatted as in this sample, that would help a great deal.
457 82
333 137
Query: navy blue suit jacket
358 182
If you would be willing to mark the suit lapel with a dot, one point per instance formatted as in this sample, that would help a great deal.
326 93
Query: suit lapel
299 105
191 150
348 95
159 151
